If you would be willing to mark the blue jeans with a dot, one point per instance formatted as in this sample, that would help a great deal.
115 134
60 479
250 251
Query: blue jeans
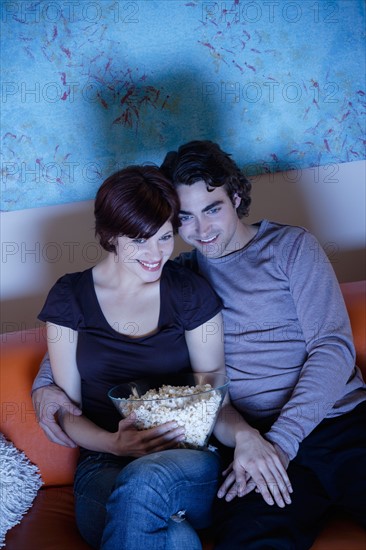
153 503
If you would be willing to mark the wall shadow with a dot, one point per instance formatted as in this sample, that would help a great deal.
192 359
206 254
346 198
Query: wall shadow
152 120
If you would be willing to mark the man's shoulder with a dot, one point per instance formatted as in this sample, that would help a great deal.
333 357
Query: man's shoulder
275 233
283 229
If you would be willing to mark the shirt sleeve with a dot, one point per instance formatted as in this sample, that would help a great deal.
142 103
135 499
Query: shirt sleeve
189 260
200 302
44 376
60 306
327 333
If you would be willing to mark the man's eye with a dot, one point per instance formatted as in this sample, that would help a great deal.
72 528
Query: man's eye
214 210
184 218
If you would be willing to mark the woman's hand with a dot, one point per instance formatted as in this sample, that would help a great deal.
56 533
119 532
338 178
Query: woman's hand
257 464
230 488
129 441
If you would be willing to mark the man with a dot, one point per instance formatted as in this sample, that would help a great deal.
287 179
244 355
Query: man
289 355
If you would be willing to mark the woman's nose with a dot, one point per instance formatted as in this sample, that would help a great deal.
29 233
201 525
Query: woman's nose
154 249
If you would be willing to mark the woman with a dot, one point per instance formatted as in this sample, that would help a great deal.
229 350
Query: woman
132 315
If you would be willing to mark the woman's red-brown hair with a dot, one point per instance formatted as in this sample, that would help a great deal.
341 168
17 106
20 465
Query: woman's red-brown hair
134 202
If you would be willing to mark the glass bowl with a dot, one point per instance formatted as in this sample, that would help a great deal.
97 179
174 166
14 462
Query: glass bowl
193 400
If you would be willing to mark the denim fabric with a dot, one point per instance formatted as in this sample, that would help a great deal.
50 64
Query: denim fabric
153 503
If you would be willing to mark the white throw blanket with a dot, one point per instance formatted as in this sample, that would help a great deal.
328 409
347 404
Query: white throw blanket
19 483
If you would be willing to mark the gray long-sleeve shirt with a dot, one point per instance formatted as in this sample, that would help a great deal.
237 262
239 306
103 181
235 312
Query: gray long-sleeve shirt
288 341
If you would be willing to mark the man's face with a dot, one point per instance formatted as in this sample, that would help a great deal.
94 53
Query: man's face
209 220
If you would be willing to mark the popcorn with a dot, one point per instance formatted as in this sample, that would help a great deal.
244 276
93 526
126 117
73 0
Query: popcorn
192 407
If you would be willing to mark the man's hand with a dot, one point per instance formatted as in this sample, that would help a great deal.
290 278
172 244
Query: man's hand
257 465
282 455
47 402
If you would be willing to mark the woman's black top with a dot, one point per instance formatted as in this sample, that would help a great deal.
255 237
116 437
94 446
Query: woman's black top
106 357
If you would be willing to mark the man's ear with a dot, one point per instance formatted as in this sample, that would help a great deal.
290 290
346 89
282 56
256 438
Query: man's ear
236 200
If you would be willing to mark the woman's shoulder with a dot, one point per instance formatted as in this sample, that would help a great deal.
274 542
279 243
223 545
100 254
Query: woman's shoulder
71 285
191 294
63 303
72 280
187 284
177 272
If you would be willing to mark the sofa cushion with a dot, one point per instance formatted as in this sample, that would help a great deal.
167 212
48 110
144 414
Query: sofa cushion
49 525
21 353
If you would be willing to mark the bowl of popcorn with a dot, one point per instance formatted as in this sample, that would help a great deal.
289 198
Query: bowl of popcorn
193 400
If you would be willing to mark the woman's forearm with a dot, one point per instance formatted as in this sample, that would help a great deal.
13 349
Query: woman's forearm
87 434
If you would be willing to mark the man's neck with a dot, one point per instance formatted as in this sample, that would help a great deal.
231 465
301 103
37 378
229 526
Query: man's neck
244 234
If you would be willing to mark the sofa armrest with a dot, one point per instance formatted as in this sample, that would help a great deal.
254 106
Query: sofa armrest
21 354
354 295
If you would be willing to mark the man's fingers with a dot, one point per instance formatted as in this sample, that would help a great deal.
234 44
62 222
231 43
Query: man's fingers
272 481
282 485
269 483
262 486
55 434
73 409
282 475
273 489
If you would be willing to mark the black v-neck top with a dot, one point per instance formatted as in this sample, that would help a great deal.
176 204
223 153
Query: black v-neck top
105 357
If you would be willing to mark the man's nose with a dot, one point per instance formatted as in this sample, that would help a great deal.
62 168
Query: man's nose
202 226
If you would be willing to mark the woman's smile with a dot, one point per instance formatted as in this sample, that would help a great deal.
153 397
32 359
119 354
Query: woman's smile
150 266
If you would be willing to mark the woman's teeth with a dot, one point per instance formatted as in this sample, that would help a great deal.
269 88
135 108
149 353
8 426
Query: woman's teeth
150 265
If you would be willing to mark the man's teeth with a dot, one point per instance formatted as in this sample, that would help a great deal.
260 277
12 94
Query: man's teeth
208 240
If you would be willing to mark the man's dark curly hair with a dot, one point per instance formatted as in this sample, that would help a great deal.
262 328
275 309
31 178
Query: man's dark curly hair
204 160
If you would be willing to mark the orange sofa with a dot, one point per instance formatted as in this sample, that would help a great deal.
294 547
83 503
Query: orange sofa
50 523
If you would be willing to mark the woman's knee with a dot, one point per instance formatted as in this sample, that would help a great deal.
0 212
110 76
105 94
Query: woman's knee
169 468
141 476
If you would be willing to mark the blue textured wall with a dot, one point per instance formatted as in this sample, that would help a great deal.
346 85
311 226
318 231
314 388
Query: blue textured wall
90 86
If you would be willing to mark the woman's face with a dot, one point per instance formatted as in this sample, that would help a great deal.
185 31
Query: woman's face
144 258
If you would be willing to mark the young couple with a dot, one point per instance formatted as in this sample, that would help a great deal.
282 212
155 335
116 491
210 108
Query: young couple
291 441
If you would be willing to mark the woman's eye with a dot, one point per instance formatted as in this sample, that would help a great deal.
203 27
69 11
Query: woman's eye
167 237
139 241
